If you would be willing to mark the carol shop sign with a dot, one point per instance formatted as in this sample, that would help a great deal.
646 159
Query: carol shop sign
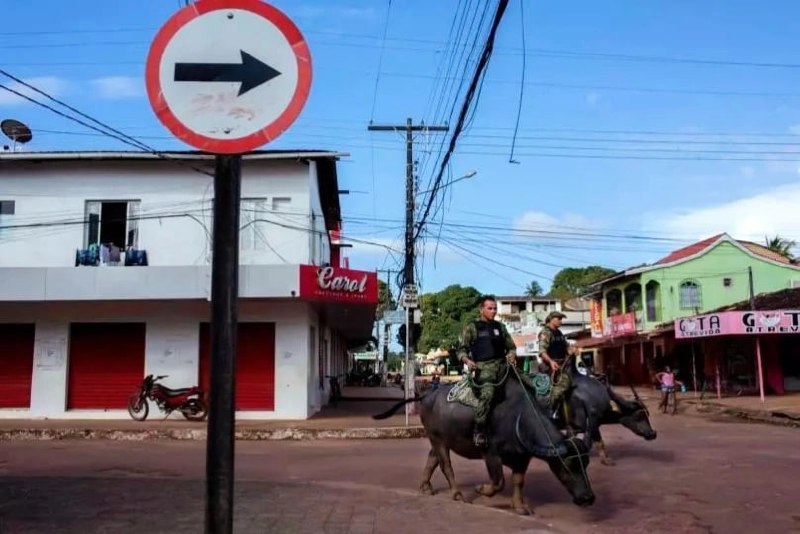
338 284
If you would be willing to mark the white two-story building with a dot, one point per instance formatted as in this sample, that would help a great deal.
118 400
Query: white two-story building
105 271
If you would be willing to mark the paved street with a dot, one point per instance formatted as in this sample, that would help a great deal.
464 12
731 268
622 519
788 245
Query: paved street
698 476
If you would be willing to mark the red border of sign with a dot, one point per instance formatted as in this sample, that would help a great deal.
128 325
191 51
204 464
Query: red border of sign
256 139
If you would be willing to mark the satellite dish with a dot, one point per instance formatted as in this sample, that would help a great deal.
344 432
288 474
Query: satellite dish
16 131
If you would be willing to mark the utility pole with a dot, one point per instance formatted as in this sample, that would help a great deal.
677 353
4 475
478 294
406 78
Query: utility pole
408 268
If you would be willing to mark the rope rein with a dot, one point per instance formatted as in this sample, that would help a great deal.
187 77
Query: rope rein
468 382
570 441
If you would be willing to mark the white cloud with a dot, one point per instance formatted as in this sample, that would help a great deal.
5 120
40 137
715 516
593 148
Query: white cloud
795 129
49 84
117 87
747 170
538 220
592 99
768 213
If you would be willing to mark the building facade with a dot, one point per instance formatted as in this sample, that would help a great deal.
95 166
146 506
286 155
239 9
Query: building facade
632 307
524 318
105 277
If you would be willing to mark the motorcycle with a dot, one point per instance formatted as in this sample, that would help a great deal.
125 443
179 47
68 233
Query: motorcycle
190 401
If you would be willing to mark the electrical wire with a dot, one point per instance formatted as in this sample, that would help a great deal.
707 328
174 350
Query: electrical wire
109 130
482 64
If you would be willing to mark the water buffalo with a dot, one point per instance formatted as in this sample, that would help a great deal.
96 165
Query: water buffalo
591 398
518 431
590 394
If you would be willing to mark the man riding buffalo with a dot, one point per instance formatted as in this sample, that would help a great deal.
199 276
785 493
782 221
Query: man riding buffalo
485 347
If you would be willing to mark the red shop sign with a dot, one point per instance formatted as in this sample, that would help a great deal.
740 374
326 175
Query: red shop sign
338 284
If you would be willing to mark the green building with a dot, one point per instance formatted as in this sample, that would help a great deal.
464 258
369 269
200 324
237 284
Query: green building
633 307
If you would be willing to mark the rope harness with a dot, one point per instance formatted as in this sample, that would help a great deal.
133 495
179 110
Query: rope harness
462 391
570 441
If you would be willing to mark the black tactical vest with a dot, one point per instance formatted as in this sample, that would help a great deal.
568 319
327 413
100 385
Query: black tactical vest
558 346
490 344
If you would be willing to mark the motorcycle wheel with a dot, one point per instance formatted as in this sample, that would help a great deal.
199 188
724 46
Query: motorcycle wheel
138 407
195 410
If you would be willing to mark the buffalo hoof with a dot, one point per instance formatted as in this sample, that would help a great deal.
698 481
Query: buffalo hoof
608 462
457 496
427 489
487 490
523 510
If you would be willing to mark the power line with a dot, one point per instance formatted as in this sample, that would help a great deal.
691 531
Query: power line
380 60
436 45
115 133
522 82
82 123
477 77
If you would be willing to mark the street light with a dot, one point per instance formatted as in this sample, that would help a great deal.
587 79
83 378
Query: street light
451 182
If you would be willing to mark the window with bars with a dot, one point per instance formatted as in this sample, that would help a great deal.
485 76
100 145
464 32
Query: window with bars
690 295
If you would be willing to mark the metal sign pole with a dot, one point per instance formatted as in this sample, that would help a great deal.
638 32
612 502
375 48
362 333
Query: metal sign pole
180 68
409 374
224 307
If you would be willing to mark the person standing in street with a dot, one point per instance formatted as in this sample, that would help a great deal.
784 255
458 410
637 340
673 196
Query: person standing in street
487 348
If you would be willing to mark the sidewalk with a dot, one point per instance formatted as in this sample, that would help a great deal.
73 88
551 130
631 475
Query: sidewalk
351 419
781 410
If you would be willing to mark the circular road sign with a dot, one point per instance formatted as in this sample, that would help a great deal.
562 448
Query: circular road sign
228 76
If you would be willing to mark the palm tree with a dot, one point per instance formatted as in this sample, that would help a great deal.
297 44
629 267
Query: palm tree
534 289
780 245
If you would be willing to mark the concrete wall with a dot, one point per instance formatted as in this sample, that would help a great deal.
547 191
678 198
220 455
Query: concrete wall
175 210
172 348
139 283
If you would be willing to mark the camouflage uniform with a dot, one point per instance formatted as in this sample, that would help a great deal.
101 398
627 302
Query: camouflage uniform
561 379
489 371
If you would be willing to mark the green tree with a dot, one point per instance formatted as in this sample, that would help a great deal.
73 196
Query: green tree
394 361
385 299
444 315
573 281
780 245
534 289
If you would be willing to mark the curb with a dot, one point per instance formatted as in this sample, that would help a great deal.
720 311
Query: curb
277 434
753 416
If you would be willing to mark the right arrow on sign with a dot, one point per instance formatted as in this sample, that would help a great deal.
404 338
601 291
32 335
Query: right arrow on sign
251 72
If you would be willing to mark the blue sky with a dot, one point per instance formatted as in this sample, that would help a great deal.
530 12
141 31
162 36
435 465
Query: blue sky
624 84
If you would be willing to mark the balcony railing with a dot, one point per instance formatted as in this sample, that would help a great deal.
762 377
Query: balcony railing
95 256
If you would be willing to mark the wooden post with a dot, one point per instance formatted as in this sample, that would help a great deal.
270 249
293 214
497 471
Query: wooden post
760 369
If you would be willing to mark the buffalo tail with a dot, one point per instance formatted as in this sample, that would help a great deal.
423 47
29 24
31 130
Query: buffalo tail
391 411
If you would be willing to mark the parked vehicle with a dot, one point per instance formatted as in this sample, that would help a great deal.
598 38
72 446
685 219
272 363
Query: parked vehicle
191 402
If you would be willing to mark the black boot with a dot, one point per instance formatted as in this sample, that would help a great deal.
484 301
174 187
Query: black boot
479 437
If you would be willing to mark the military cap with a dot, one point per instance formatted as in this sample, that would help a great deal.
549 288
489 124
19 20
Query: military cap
554 314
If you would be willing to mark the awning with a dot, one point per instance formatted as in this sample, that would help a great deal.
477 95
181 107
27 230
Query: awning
610 341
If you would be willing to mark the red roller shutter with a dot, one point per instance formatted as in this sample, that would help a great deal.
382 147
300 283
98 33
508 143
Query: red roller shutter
16 365
255 365
106 364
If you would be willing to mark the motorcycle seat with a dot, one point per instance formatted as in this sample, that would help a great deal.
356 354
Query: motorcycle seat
174 392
